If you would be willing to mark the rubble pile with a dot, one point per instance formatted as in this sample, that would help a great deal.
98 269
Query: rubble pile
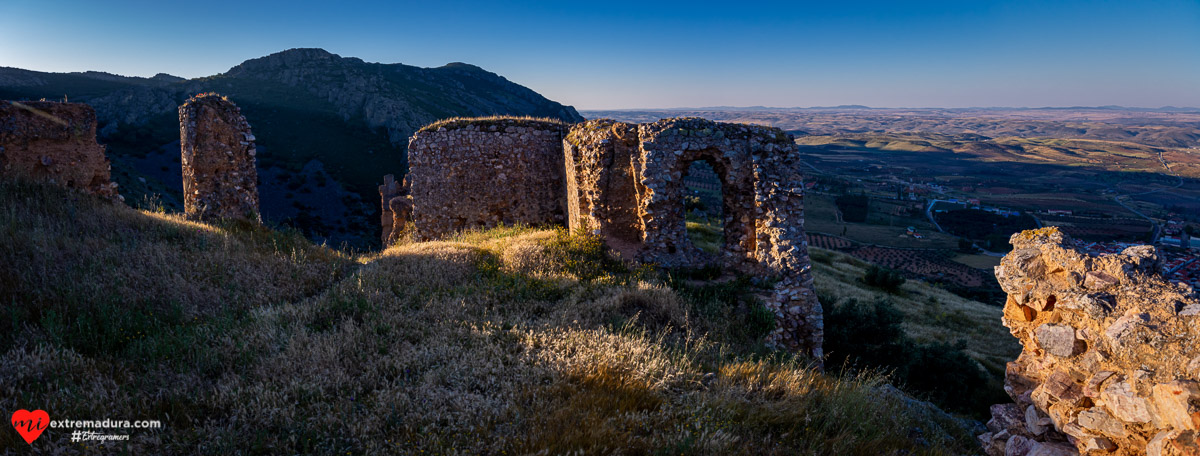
1111 353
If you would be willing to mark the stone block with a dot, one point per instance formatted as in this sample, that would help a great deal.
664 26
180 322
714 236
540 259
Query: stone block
1098 420
1179 403
1059 340
1124 403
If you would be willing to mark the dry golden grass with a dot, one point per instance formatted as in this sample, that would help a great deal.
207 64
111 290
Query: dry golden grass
509 341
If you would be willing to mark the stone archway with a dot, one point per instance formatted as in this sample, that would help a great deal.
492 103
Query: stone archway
704 206
666 227
616 170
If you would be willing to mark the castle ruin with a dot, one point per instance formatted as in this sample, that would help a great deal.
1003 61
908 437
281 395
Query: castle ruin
480 173
217 152
54 142
624 182
1111 357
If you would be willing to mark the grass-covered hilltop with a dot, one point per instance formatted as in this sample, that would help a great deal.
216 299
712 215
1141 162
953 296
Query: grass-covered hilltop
244 340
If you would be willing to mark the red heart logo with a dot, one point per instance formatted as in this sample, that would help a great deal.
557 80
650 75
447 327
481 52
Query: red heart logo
30 424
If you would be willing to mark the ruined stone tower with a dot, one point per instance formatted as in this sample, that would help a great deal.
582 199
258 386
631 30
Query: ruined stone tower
54 142
624 182
1111 360
219 175
479 173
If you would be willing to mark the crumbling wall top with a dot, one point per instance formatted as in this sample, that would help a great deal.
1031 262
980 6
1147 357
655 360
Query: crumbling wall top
55 142
700 127
495 123
46 120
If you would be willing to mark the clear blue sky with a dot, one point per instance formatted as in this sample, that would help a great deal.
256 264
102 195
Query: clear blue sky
645 54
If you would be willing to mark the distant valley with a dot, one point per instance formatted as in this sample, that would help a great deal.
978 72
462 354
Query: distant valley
1163 127
935 193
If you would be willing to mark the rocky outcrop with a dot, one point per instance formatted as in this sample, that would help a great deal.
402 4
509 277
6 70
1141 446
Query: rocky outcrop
54 142
625 183
480 173
220 180
1111 358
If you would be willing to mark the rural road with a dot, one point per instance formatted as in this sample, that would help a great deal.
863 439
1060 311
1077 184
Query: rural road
1154 223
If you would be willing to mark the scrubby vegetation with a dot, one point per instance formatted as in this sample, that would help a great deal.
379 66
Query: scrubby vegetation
509 341
928 315
991 229
854 207
100 277
883 278
862 335
498 121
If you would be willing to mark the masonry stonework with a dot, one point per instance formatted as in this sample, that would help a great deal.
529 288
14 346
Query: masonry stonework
54 142
625 183
1111 357
218 155
480 173
396 209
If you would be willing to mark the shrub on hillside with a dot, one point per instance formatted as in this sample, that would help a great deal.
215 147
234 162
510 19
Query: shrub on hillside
861 335
992 229
966 246
853 207
884 278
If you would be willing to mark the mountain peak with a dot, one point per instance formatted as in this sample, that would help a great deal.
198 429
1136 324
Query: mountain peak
305 54
462 66
167 78
283 59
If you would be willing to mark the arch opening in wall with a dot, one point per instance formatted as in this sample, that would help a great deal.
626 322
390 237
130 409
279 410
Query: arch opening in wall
704 206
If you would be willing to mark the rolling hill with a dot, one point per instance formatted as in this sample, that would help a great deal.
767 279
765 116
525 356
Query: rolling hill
243 339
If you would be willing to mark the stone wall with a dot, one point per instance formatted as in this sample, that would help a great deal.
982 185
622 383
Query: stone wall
219 175
479 173
625 183
1111 353
602 186
54 142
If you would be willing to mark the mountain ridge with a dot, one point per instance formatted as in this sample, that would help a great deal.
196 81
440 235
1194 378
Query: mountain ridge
305 105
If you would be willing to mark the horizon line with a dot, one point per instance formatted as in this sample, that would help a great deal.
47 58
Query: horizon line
864 107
